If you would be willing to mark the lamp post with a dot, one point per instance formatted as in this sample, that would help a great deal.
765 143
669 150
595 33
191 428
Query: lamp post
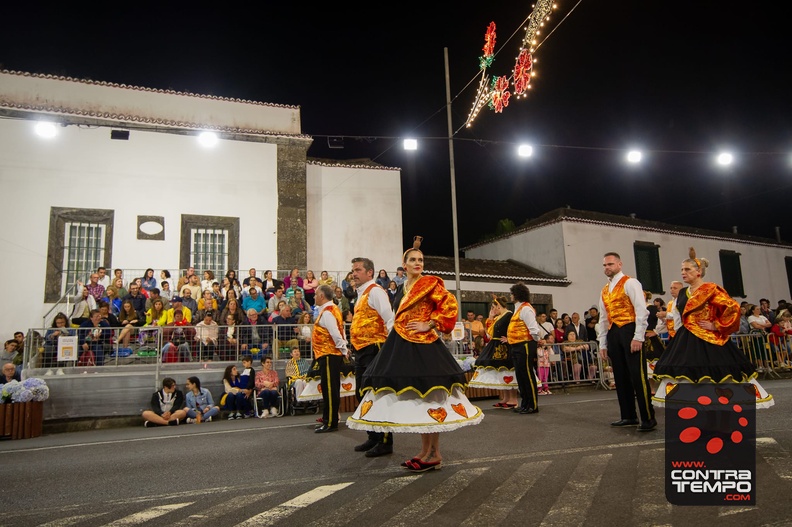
453 185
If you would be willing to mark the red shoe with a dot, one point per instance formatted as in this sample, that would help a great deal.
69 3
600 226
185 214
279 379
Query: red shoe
420 466
500 405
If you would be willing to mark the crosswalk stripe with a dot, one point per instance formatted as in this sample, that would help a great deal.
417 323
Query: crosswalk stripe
420 509
219 510
71 520
776 457
574 501
649 505
290 507
148 514
503 499
372 497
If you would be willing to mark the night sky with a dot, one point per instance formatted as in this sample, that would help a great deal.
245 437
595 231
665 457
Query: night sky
680 79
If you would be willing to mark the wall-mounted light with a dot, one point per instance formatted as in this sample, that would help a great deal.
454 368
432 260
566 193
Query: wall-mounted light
46 129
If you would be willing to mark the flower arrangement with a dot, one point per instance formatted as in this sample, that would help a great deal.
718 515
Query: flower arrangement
31 389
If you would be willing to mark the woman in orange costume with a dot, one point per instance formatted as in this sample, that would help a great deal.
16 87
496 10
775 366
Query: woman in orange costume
702 350
415 384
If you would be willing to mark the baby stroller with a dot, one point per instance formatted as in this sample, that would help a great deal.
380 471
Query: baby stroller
293 405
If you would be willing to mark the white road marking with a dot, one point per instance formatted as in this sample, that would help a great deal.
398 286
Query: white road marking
649 504
502 500
575 500
148 514
776 456
218 510
419 511
343 515
290 507
71 520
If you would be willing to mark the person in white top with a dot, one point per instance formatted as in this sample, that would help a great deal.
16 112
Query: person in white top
623 321
522 337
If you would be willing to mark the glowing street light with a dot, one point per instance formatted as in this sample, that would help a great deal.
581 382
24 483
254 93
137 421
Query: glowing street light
46 129
208 139
411 144
724 159
634 156
525 150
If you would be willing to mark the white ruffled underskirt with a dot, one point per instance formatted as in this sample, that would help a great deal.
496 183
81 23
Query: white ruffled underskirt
763 399
500 379
312 393
410 413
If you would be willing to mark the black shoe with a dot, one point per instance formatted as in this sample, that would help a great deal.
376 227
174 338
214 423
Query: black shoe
380 449
529 411
625 422
324 429
648 426
517 409
368 445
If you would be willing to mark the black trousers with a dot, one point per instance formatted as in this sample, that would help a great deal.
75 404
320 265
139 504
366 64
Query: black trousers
363 358
330 373
629 374
525 359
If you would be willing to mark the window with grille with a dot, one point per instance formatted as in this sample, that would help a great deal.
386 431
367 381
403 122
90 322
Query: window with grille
647 266
83 251
732 273
210 250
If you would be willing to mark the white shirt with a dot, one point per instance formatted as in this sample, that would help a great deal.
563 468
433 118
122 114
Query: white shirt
328 321
634 291
673 314
378 300
528 316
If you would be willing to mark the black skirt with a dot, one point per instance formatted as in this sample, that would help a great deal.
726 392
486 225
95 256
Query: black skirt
401 365
690 357
496 355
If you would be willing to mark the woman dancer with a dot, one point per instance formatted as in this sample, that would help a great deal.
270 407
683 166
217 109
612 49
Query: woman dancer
494 366
701 350
414 384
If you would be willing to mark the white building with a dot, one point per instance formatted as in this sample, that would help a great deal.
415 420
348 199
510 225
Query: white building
124 182
561 253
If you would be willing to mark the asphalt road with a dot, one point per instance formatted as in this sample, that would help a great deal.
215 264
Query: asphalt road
562 467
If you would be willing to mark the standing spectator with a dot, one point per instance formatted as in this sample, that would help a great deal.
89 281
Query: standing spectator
383 279
558 331
476 332
346 281
267 383
167 406
577 326
392 288
199 403
149 282
573 355
309 286
400 277
764 309
341 301
543 354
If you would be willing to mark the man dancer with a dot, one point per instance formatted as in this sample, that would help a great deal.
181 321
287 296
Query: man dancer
330 346
371 323
623 321
522 336
671 314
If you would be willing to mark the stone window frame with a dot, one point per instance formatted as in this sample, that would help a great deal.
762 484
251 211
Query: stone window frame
195 221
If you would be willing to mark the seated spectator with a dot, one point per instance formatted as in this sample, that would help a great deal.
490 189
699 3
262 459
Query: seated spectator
137 299
765 311
292 290
60 328
217 294
167 406
267 383
176 304
148 281
745 326
9 373
277 311
206 283
233 283
383 279
326 279
342 302
255 334
206 303
296 370
104 278
164 276
286 335
199 403
277 297
254 300
194 286
270 284
96 290
154 294
111 319
780 338
207 337
309 287
236 400
118 283
294 279
157 315
346 282
130 320
298 304
166 292
179 335
247 378
113 300
305 331
83 307
232 308
229 339
9 354
252 277
185 279
139 282
188 301
94 340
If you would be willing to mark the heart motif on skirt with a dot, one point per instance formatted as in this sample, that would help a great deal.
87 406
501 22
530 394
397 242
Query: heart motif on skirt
438 414
346 386
460 409
508 379
319 387
365 406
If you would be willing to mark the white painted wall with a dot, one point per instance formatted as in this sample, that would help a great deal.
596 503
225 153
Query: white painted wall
353 212
541 248
150 174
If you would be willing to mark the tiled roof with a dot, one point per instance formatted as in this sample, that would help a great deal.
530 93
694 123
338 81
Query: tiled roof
476 270
350 163
613 220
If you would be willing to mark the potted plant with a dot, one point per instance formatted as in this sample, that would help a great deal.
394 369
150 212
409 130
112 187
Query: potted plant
22 408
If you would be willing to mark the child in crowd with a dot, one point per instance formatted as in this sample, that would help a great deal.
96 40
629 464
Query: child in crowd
543 353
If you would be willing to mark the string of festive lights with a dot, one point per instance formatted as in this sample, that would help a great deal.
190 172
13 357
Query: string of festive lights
496 91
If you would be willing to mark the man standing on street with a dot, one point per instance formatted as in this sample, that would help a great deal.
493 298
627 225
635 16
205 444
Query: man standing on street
522 336
371 323
330 347
623 321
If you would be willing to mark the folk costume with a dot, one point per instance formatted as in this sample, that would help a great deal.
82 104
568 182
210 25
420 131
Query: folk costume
522 336
699 355
329 347
494 366
414 384
624 319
